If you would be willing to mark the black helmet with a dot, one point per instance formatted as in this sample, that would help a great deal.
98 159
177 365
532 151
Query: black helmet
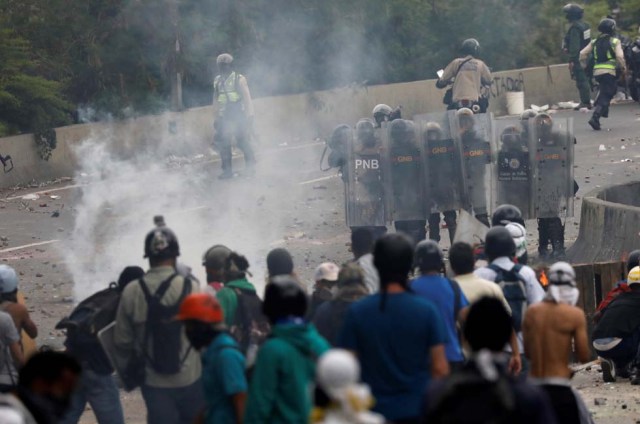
505 214
381 113
470 46
365 129
498 243
573 11
161 243
216 256
633 260
511 137
607 26
340 137
284 297
528 114
428 256
402 131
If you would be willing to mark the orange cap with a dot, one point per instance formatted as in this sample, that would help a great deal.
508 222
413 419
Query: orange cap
201 307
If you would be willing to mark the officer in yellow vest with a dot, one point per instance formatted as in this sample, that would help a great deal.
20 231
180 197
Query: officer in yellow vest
607 55
233 116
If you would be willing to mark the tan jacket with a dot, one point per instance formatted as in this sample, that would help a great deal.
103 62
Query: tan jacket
130 323
469 81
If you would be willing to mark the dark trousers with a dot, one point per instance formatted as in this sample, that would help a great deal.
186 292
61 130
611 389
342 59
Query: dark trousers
376 231
179 405
550 231
414 228
564 403
434 225
582 82
626 352
608 88
235 129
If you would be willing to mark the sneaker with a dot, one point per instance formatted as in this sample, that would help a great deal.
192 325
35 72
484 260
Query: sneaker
226 175
624 372
608 370
595 124
634 376
583 105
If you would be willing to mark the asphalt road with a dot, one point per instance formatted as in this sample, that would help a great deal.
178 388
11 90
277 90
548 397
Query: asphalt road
290 203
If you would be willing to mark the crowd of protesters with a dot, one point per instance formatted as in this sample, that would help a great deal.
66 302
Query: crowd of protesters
392 336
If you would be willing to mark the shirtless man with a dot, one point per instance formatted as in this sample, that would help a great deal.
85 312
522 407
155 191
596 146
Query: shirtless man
550 328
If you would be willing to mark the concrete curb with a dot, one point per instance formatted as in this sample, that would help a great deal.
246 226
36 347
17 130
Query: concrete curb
609 224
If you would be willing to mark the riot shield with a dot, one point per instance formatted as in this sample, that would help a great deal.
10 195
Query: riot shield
512 171
472 135
365 199
552 140
405 182
441 164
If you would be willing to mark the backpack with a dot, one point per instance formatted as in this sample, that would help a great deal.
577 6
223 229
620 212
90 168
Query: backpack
250 327
85 321
467 390
514 288
163 333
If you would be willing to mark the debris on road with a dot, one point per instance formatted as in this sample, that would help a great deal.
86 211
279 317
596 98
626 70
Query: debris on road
32 196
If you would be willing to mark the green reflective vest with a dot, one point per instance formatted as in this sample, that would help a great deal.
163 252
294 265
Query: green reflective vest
610 62
227 90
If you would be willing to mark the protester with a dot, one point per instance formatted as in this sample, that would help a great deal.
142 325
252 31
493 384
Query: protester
329 317
483 391
552 328
11 351
445 294
97 385
461 259
223 366
285 367
362 248
236 286
45 386
152 345
518 282
325 277
213 261
632 261
398 337
616 337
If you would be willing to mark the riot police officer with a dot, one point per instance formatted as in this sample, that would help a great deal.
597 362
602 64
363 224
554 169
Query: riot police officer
577 38
608 57
406 175
233 110
384 113
514 169
467 75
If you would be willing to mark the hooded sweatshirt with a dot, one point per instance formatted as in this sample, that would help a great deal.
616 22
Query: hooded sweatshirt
228 298
280 390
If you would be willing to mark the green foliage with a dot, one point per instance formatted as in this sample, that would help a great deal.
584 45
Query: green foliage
119 57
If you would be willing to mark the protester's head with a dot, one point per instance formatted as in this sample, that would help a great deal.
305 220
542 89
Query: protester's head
284 298
350 275
633 260
499 243
461 258
428 257
236 267
361 242
633 278
161 247
129 274
213 261
338 370
326 274
393 258
8 283
279 262
50 378
203 319
561 274
488 325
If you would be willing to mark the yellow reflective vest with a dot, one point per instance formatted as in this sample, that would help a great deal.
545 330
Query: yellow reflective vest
610 63
227 90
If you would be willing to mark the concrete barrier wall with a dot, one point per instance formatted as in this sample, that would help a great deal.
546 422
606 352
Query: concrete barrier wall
278 119
609 228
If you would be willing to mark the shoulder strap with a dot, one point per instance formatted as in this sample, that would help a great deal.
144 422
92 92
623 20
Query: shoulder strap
495 268
460 66
457 298
164 286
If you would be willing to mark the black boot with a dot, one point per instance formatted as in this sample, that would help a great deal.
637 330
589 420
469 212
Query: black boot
452 225
634 375
543 238
595 118
434 226
556 233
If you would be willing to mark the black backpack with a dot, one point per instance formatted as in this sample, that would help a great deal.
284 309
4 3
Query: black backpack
514 288
468 398
163 333
85 321
250 326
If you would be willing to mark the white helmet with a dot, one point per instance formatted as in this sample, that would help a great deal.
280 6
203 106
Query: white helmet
224 58
337 370
562 274
8 279
519 236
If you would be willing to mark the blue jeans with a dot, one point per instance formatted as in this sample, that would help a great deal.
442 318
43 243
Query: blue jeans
179 405
102 394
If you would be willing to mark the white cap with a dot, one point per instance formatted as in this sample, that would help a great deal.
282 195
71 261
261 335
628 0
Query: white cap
561 273
519 236
337 370
327 271
8 279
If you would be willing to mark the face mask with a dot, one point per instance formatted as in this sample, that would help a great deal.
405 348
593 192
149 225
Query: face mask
563 294
200 337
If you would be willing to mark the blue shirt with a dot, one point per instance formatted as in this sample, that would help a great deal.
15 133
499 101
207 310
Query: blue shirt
223 375
394 349
438 290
